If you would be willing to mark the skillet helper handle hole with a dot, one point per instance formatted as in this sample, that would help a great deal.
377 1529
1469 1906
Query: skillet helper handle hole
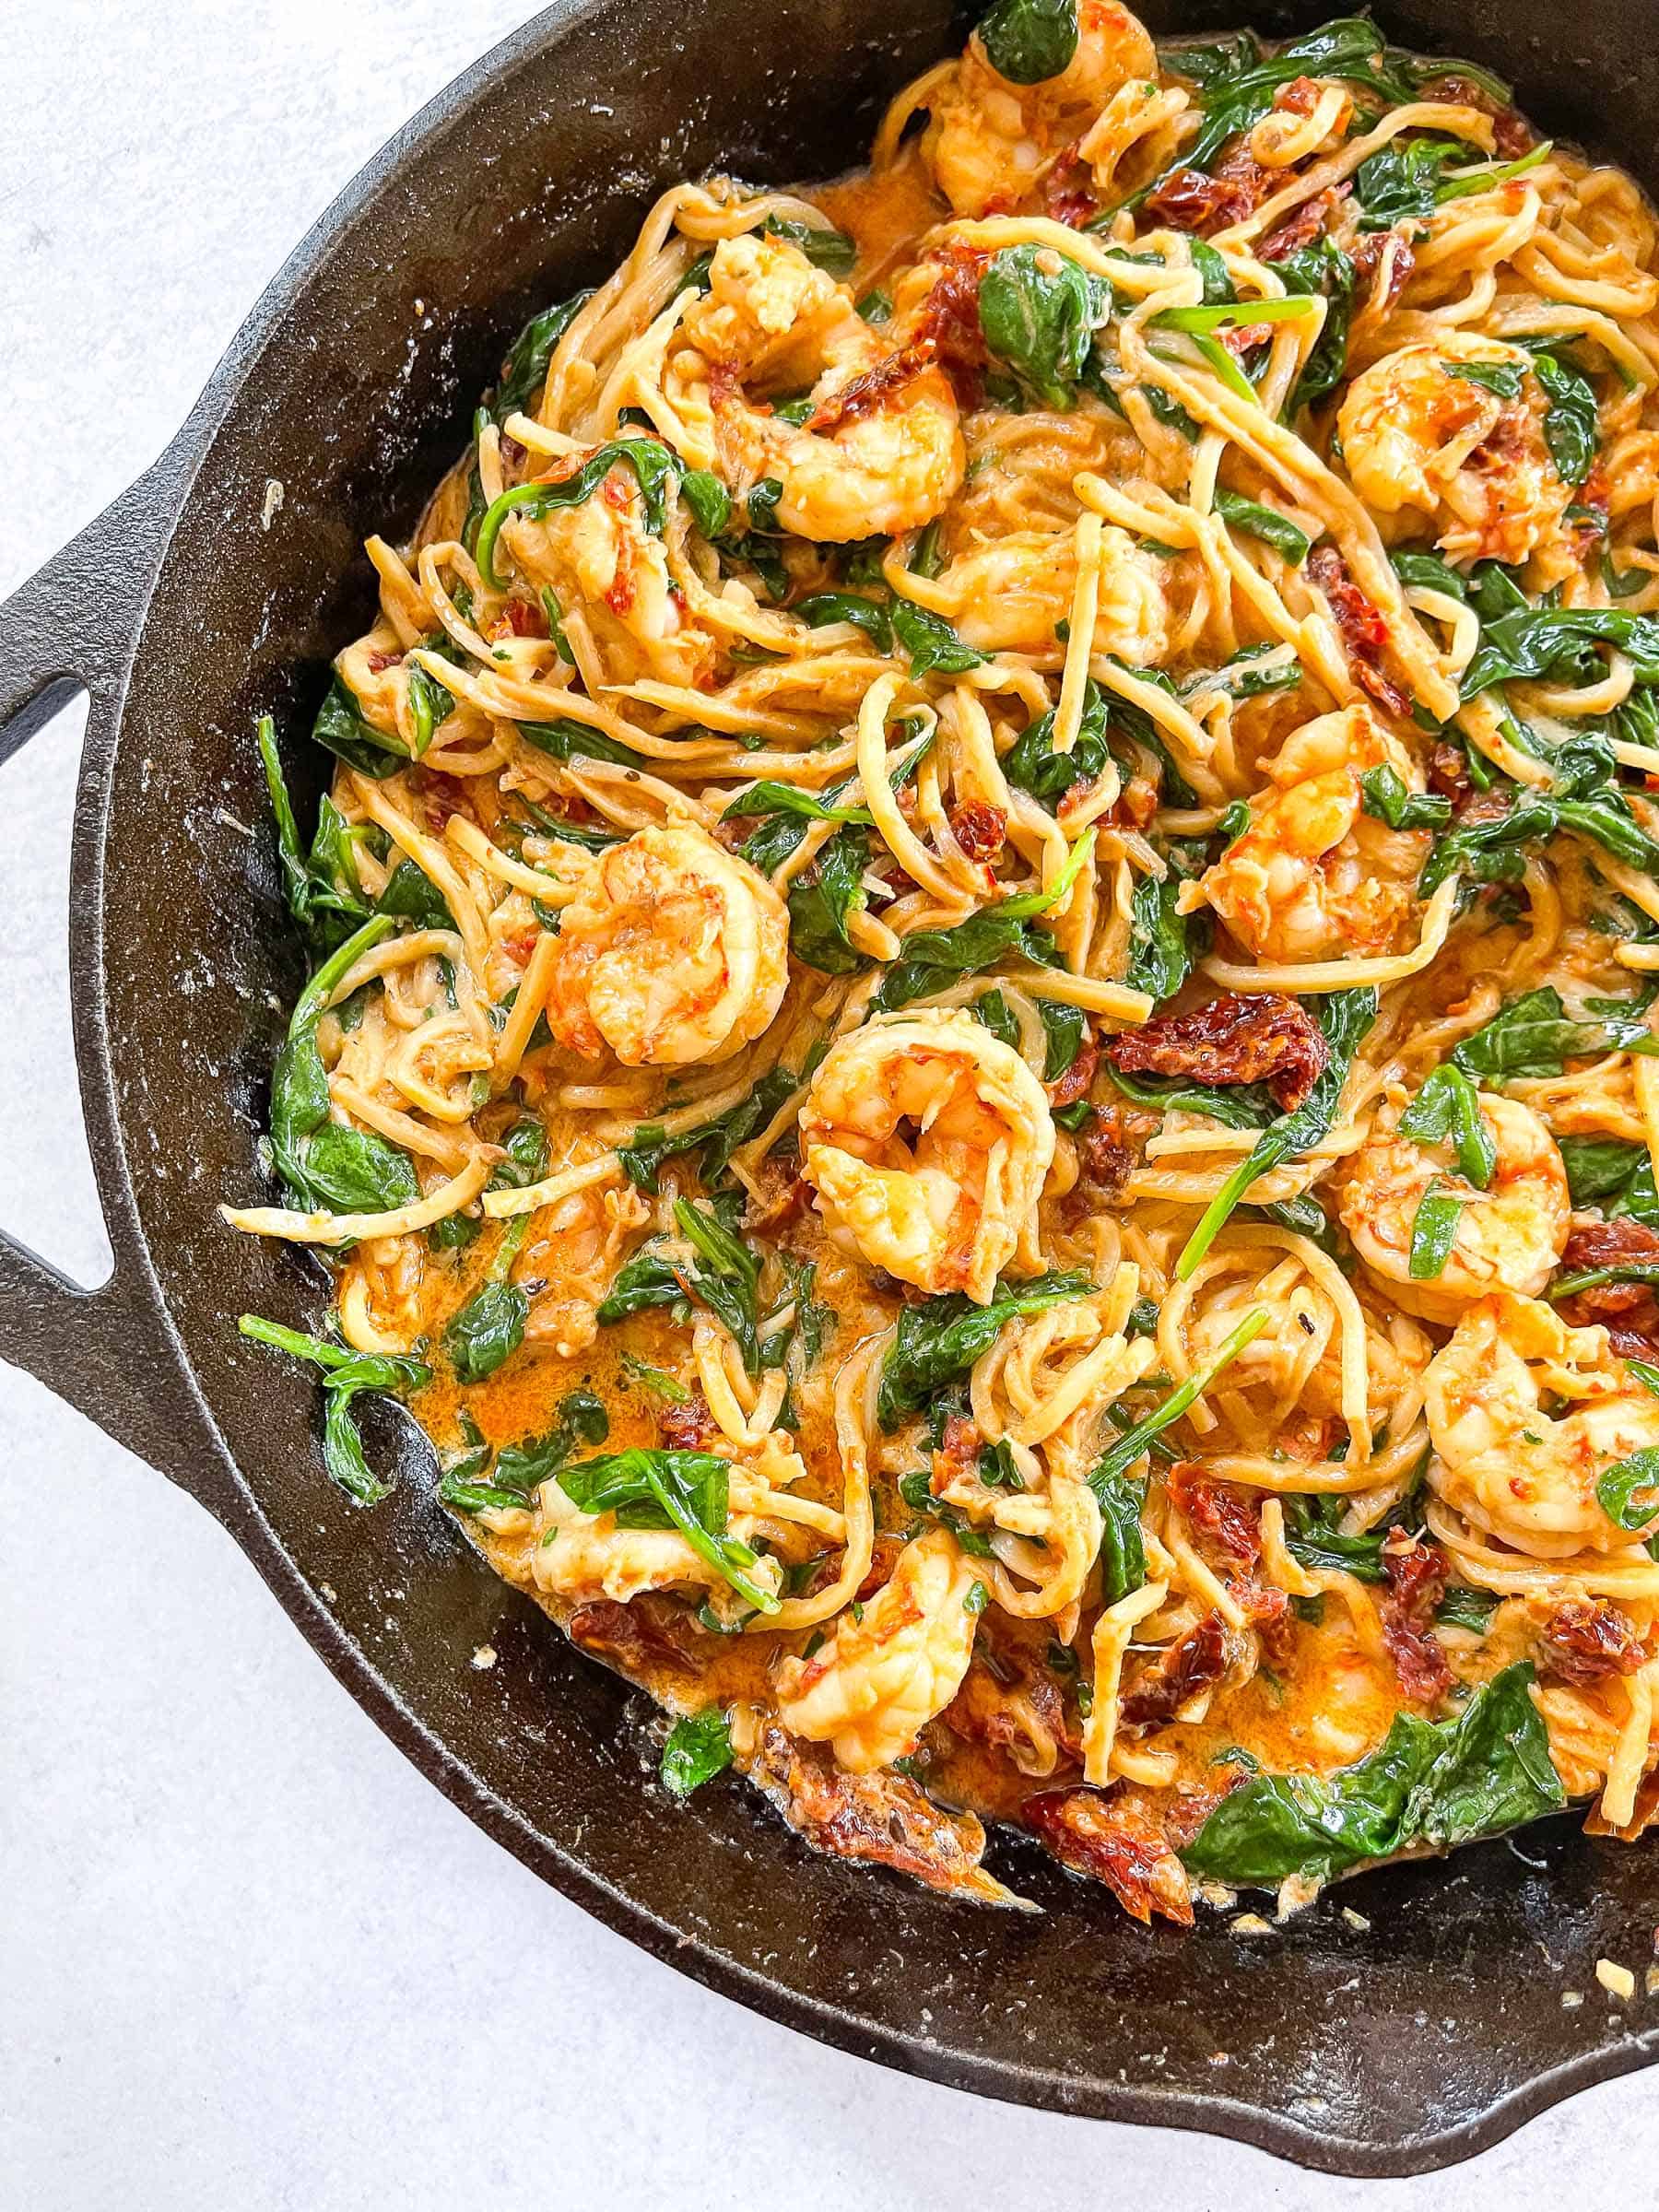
69 630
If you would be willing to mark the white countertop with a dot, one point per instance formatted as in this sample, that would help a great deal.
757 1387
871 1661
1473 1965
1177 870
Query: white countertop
248 1957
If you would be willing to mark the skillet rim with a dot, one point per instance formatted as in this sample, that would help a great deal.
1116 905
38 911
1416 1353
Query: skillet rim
155 509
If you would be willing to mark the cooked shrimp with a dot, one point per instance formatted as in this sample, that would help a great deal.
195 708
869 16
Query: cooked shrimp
1009 596
1523 1474
1510 1236
878 1682
673 951
1421 441
1315 875
599 556
883 449
990 141
927 1141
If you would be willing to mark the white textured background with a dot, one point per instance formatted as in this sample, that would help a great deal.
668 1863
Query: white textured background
247 1957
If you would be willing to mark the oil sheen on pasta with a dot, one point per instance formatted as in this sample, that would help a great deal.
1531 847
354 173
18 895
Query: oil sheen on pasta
994 911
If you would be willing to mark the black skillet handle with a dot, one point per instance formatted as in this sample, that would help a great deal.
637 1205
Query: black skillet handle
72 626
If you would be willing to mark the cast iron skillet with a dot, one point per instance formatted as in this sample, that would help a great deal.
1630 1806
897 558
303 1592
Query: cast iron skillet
1405 2042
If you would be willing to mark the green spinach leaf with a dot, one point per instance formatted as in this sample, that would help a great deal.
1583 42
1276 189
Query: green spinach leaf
1389 799
1321 268
939 1339
345 1376
683 1490
1438 1784
342 729
525 371
699 1746
1032 764
1265 523
1433 1232
1030 40
1572 428
1041 320
654 467
933 647
1447 1109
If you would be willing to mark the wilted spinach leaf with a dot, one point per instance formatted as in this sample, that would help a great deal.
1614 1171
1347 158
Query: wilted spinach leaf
1433 1782
1040 320
525 371
684 1490
346 1374
939 1339
1030 40
699 1746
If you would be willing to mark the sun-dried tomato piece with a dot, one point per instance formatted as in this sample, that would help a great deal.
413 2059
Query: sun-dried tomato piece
1418 1659
1163 1686
1135 804
1185 1813
884 1558
1608 1245
949 318
1299 96
1107 1152
1230 1518
1267 1611
1629 1311
1115 1842
1415 1574
1188 200
783 1197
958 1450
1262 1038
1384 263
1364 632
884 1816
687 1428
1592 509
523 620
1449 772
1302 225
1068 191
1587 1640
635 1637
1513 135
979 827
1106 1165
442 796
877 388
1073 1084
